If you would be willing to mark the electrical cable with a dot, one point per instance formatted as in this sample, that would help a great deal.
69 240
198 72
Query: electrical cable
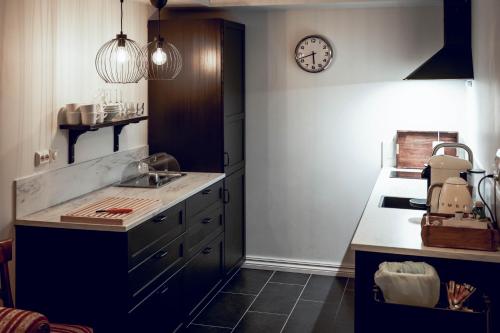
493 217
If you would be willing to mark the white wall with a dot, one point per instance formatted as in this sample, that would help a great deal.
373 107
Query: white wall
47 52
314 141
483 113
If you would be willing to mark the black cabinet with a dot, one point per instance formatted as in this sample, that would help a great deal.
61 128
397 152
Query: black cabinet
200 116
151 278
234 210
202 274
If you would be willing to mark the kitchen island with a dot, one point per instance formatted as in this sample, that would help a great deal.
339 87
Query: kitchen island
151 274
392 234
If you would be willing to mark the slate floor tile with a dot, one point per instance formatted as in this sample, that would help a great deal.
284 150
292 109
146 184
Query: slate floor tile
277 298
225 310
350 285
193 328
312 317
346 310
248 281
293 278
324 288
256 322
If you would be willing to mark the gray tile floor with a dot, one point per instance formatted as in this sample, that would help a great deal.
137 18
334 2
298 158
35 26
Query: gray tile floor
267 302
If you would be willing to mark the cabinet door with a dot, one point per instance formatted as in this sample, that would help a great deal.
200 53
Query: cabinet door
234 68
203 273
234 143
234 213
161 312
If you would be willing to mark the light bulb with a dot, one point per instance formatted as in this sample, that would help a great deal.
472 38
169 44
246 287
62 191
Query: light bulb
121 54
159 57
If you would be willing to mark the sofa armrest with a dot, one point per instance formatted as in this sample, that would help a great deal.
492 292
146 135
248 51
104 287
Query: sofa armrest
22 321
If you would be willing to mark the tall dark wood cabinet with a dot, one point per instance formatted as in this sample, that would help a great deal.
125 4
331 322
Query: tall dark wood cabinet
200 116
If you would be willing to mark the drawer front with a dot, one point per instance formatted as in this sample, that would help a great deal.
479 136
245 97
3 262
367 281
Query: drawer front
162 311
204 199
145 277
203 273
203 227
147 238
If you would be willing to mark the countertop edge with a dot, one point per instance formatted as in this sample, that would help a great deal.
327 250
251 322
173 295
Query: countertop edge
115 228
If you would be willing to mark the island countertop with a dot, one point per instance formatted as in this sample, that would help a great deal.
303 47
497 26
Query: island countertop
169 195
390 230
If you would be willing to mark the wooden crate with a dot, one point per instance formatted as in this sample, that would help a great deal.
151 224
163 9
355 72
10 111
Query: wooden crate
458 238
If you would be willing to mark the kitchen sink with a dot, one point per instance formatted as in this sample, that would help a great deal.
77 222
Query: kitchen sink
400 203
406 174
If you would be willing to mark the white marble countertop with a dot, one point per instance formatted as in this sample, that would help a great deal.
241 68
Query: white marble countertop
389 230
169 195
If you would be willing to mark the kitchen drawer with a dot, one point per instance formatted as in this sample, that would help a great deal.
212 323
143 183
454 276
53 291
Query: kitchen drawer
144 277
203 273
161 311
203 226
147 238
204 199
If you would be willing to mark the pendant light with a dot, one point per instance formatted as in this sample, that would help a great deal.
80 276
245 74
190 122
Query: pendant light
120 59
161 59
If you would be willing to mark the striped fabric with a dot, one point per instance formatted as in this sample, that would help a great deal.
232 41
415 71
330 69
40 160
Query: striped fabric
21 321
63 328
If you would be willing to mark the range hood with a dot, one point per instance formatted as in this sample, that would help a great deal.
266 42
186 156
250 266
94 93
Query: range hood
454 60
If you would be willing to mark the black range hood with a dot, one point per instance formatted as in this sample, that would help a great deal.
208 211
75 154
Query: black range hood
454 60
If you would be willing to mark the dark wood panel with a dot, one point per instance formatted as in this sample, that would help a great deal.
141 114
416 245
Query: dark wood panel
415 147
234 69
234 211
185 115
234 143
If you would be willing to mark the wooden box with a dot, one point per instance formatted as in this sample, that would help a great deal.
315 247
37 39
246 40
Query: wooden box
458 238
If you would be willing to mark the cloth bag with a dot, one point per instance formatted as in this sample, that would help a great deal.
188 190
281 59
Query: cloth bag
409 283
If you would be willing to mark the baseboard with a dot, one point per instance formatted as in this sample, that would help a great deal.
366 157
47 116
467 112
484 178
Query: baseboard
309 267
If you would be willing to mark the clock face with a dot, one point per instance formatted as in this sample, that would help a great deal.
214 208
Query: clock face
313 54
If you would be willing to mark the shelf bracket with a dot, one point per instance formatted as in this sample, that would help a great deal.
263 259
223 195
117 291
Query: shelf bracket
73 138
117 130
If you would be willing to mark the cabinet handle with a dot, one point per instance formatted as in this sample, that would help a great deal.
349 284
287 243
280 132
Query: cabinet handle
206 191
226 159
160 254
160 219
207 250
206 220
227 197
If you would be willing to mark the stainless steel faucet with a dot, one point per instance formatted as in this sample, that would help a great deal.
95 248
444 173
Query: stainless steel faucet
454 145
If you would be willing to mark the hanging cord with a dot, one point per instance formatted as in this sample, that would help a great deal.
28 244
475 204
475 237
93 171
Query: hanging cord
121 17
493 217
159 9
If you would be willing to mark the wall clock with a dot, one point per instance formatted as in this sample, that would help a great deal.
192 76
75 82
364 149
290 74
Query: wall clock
313 54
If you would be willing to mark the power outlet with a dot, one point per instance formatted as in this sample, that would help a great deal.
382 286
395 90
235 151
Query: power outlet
42 157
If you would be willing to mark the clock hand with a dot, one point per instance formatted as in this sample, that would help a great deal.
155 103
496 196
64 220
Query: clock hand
312 54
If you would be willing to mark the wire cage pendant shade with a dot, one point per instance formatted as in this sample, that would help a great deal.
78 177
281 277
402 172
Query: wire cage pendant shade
120 59
162 60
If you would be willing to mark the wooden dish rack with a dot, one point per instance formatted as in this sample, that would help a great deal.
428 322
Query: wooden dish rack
458 238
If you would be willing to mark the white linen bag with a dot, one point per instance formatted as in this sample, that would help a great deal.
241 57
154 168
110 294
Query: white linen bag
408 283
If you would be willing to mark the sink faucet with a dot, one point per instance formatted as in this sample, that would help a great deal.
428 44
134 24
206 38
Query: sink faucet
454 145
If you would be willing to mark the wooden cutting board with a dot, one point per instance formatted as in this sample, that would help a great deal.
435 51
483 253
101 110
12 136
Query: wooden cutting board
414 148
87 214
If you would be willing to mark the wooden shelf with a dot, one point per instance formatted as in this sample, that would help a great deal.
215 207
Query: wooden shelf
76 130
